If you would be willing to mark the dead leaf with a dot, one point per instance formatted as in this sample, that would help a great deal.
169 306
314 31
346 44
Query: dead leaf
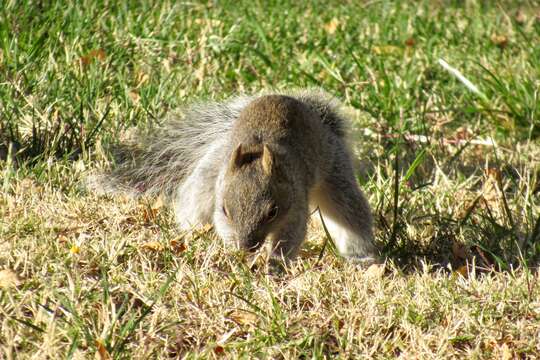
490 191
134 96
520 17
150 212
499 40
331 26
102 352
149 215
463 271
494 173
9 279
178 246
219 350
153 246
243 317
410 42
142 78
202 231
96 54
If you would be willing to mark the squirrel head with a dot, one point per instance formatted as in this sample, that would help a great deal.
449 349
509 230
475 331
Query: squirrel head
254 198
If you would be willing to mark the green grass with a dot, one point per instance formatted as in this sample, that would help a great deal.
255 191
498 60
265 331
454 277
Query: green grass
459 218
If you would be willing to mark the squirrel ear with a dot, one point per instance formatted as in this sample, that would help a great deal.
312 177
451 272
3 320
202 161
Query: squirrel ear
236 158
243 155
267 160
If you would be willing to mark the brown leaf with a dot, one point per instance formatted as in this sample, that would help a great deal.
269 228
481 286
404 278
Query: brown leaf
9 279
491 191
149 215
410 42
499 40
243 317
134 96
150 212
178 246
463 271
202 231
494 173
520 17
96 54
142 78
331 26
180 345
219 350
153 246
102 352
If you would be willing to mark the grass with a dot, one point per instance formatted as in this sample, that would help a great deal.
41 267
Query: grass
453 177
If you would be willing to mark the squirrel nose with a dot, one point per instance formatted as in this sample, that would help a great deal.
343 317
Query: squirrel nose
251 242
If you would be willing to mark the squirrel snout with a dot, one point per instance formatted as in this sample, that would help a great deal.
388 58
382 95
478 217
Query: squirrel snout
251 242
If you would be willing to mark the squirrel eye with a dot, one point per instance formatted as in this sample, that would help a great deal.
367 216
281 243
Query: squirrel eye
272 213
225 211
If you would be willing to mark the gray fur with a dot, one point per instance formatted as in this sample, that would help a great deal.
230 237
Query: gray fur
254 166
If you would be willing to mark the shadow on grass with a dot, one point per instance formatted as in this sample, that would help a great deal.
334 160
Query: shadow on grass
454 210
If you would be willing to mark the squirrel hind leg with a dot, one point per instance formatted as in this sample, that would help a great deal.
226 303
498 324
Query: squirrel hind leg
194 200
190 213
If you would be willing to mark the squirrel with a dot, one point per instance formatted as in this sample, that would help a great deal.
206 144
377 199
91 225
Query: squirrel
255 167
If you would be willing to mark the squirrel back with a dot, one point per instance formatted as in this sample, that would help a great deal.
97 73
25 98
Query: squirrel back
156 162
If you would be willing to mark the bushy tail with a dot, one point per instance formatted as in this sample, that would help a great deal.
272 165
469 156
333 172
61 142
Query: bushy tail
157 162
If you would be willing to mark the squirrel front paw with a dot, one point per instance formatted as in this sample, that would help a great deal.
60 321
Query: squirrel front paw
364 262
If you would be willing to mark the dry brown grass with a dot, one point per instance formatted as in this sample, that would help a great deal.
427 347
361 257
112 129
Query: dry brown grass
83 276
111 276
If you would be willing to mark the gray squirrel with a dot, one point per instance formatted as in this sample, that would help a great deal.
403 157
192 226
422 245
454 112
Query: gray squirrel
254 167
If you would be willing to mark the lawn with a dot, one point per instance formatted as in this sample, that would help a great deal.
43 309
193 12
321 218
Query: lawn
445 101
